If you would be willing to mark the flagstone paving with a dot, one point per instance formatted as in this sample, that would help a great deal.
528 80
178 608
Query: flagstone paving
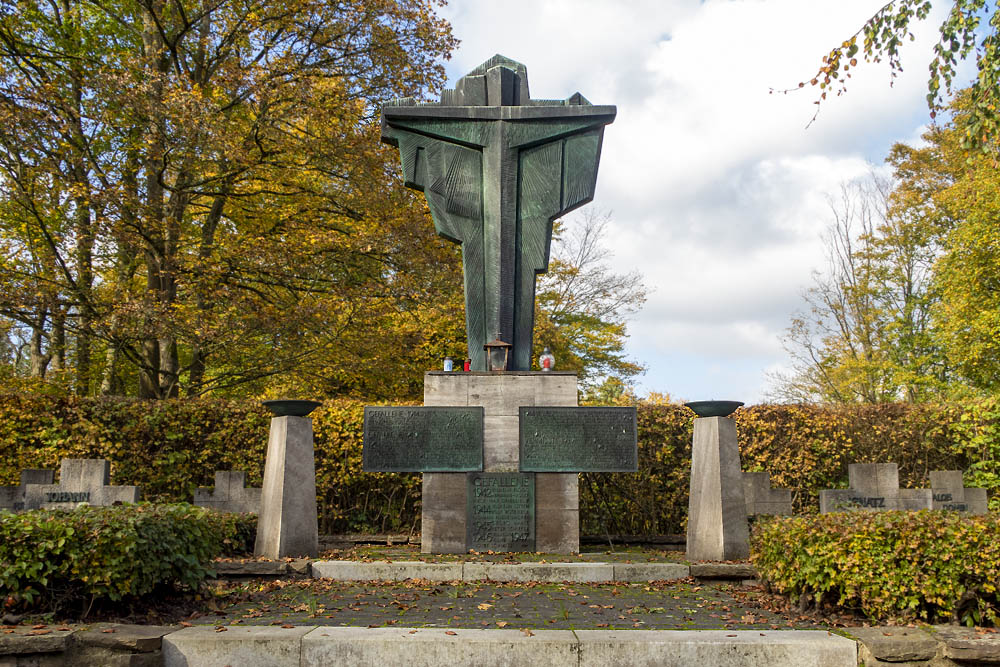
684 604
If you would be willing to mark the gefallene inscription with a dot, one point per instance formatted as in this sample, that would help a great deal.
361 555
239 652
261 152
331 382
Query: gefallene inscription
572 439
425 439
500 513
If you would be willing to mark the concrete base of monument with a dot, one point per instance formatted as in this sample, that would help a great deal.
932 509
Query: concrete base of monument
313 645
346 570
545 519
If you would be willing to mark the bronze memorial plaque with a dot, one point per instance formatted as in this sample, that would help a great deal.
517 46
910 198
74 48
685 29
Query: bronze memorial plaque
500 512
571 439
423 439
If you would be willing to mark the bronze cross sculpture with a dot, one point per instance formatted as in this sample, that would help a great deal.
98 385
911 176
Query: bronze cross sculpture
497 167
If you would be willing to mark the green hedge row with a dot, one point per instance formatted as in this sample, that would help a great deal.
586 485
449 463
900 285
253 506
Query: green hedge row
932 566
172 447
53 558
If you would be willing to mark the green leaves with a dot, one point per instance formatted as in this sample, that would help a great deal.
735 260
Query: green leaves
914 565
961 35
53 558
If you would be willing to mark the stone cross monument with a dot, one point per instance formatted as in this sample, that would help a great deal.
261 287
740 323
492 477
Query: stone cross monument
497 168
500 451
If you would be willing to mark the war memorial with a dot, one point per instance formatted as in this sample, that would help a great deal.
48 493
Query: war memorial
500 449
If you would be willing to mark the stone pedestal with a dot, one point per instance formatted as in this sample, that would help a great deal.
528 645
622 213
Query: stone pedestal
717 521
288 524
557 510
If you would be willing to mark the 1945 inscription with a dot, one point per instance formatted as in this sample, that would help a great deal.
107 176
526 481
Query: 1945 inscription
570 439
423 439
500 512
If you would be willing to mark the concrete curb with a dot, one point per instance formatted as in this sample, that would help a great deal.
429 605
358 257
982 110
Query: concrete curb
432 647
343 570
347 570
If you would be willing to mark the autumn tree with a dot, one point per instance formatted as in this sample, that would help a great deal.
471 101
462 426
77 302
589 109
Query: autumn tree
971 30
866 336
967 274
186 187
909 308
583 306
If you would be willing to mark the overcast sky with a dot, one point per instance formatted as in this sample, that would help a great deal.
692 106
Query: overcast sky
717 190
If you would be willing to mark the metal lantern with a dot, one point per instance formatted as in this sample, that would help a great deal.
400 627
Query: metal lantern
546 362
497 354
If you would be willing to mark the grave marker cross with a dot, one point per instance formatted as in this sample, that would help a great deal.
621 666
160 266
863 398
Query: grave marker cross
80 481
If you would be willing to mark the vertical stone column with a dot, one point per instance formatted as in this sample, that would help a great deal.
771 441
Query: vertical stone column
288 524
717 522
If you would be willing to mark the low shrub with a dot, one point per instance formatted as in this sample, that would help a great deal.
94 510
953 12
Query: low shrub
923 565
53 558
242 534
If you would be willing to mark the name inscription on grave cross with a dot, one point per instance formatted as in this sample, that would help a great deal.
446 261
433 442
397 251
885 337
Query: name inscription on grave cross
68 497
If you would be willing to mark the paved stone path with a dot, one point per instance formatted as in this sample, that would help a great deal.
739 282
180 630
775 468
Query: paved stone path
681 605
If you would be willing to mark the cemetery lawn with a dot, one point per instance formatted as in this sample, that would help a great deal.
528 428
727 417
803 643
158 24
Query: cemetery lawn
675 605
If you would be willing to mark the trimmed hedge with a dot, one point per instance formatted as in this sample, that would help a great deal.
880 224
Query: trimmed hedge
51 557
171 447
805 448
925 565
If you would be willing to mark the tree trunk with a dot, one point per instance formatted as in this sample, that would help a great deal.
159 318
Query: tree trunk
39 359
199 355
153 163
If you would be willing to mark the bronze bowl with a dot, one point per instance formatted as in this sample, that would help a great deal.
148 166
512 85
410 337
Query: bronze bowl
286 407
714 408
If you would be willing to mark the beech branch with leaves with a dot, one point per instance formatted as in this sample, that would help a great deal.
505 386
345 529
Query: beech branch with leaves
971 29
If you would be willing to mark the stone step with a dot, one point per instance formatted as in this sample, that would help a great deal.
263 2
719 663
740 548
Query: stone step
344 570
432 647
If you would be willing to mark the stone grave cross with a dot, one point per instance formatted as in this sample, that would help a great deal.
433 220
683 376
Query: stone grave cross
948 492
81 481
230 493
873 486
762 499
12 497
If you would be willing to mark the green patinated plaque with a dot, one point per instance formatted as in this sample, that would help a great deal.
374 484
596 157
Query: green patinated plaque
569 439
500 511
423 439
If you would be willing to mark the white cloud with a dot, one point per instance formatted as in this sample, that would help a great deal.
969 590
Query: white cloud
718 190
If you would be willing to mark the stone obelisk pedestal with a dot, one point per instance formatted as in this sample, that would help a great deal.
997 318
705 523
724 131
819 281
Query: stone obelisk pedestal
288 523
444 515
717 521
